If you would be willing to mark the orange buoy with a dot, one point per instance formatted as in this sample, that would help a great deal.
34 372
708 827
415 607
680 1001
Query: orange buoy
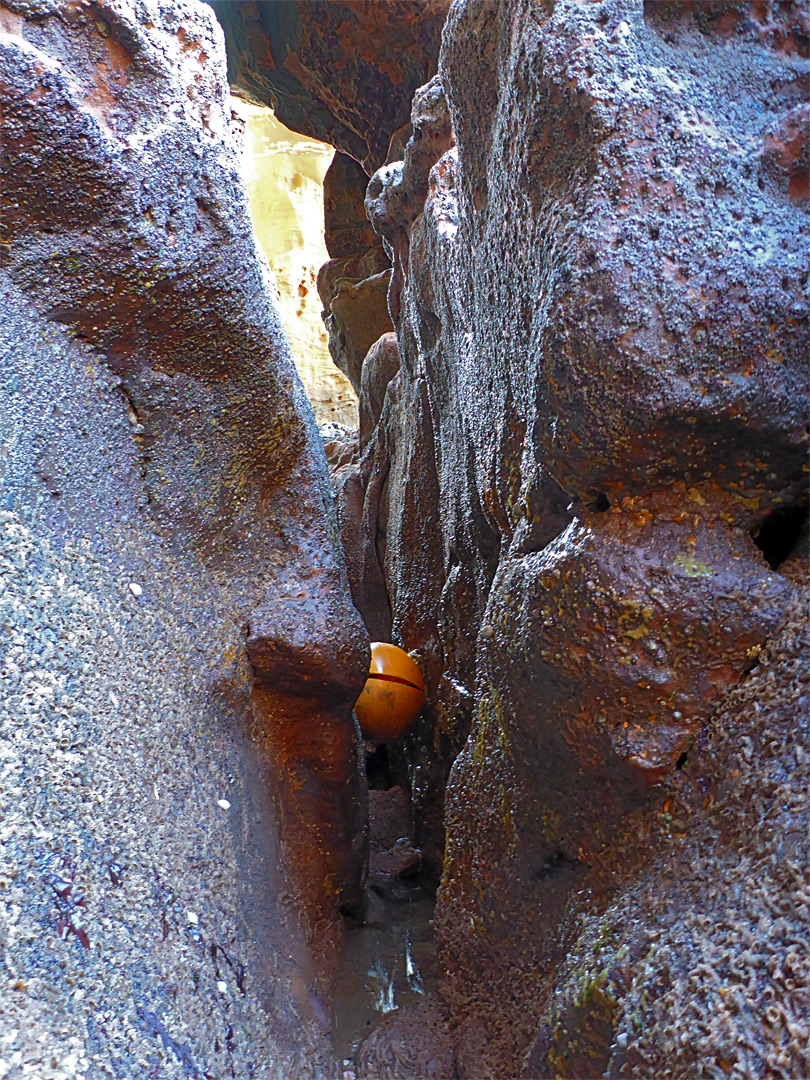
393 695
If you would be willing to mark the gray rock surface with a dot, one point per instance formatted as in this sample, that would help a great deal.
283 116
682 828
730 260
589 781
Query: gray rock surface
599 237
182 806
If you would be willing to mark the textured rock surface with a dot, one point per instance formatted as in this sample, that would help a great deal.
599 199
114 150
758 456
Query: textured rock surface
409 1044
284 173
182 807
599 238
347 230
711 937
598 232
353 284
343 72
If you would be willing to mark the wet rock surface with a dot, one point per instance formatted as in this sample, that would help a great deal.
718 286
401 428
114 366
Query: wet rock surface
392 854
387 1018
184 803
600 301
410 1044
380 367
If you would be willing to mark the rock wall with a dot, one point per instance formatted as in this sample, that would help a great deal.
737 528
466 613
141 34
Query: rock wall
284 174
345 73
353 284
581 503
575 509
342 72
183 812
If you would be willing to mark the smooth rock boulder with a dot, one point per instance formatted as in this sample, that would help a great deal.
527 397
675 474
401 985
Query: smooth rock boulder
380 367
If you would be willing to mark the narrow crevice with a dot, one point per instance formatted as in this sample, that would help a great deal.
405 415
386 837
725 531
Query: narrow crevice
388 961
557 863
136 418
780 533
599 504
378 769
133 412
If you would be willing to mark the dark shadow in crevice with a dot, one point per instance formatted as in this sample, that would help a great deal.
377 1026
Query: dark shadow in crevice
779 534
378 769
599 504
557 863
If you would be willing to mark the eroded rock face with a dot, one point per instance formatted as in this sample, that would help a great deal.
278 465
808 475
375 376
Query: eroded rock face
184 807
718 916
284 174
353 284
599 289
342 72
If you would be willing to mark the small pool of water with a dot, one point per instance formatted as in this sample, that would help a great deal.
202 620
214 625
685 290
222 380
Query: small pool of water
386 964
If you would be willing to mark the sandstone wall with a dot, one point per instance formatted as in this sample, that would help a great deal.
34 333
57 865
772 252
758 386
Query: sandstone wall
284 174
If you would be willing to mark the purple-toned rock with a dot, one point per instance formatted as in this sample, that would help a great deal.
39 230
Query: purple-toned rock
182 645
595 462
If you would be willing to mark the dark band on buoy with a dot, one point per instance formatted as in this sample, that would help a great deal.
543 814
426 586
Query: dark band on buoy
393 695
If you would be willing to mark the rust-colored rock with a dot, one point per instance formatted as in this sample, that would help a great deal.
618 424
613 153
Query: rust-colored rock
343 72
167 520
392 854
409 1044
346 228
599 293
